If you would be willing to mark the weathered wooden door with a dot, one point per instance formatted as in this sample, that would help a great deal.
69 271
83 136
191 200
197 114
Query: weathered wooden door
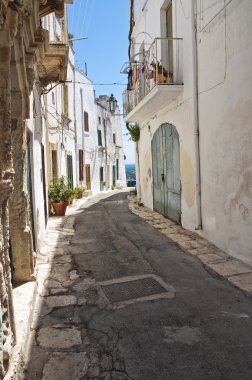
44 181
88 177
101 179
30 187
70 171
114 175
166 172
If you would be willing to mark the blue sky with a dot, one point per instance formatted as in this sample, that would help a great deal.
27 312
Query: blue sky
105 23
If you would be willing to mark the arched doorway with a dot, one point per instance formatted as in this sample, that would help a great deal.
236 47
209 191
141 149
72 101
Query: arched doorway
166 172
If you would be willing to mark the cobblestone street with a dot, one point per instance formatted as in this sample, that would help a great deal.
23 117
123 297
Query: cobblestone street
94 320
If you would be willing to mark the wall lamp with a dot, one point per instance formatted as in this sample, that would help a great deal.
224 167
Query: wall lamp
112 103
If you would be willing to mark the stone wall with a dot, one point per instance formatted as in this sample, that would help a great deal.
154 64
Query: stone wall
23 48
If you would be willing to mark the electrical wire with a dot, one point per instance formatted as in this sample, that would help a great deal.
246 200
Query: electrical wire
90 17
84 18
46 90
76 24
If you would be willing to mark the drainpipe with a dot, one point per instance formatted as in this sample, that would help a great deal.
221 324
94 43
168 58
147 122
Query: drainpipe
196 113
106 151
75 127
83 137
139 195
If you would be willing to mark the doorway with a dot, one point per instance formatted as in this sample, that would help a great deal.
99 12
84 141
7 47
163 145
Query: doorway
44 182
114 176
88 177
101 179
166 172
70 171
30 187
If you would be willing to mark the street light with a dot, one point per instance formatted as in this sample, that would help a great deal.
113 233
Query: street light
112 102
77 39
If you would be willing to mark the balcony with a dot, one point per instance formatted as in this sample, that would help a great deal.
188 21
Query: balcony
52 66
155 81
48 6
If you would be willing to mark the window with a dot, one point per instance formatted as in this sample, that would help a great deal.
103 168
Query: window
99 137
99 120
53 98
86 125
114 138
81 165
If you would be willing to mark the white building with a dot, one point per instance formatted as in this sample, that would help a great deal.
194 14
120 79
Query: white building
190 92
99 139
60 115
49 127
63 132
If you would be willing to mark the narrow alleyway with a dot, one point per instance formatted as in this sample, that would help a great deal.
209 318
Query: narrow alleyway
172 319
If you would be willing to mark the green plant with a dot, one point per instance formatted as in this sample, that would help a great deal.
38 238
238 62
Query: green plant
113 187
59 192
79 189
72 196
134 131
156 64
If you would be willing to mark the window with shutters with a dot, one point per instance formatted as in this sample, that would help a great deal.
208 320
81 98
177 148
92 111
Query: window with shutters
86 125
99 137
81 165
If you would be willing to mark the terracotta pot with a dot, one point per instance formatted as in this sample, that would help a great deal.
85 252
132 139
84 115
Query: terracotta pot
79 195
59 208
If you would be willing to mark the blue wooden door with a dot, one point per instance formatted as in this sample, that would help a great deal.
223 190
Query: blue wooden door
166 172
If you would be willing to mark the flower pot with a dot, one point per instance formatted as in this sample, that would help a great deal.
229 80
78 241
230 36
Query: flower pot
59 208
150 74
79 195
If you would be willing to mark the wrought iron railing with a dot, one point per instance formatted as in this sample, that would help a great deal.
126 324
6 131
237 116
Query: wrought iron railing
161 64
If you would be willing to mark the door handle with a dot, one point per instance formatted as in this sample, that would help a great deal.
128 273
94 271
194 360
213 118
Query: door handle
162 176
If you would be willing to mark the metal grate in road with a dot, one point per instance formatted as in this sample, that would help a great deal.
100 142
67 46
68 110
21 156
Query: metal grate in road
122 291
113 202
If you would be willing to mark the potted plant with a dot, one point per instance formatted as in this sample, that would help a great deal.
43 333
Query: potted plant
158 71
72 196
79 190
59 193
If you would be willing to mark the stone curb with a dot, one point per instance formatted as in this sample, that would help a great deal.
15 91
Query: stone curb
232 269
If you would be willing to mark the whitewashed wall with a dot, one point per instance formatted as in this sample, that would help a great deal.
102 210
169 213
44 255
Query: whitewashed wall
224 44
88 141
98 113
37 134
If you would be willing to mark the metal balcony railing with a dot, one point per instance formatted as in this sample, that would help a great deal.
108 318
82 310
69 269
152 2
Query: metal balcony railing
161 64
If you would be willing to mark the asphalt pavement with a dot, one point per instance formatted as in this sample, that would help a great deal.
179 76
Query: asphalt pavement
119 300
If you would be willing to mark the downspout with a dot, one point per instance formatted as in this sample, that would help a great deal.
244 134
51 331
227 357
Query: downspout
139 194
196 114
106 151
83 136
75 126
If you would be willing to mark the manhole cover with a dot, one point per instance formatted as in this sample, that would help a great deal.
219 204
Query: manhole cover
113 202
132 289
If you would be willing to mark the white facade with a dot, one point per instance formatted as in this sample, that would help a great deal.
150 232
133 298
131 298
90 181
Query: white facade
63 135
92 115
210 90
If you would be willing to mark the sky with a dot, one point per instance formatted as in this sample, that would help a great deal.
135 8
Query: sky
106 25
